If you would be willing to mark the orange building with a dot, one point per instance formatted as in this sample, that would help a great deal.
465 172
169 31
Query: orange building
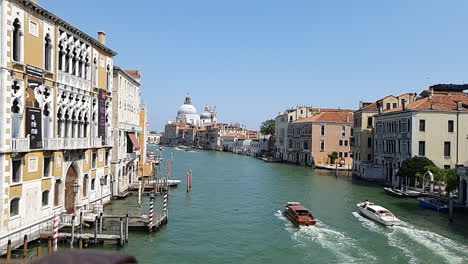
311 140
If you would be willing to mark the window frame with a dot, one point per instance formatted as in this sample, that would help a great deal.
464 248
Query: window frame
18 213
47 192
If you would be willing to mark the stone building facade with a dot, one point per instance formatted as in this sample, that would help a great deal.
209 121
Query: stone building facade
127 128
55 116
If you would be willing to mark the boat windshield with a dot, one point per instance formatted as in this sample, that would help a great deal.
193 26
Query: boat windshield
385 213
302 212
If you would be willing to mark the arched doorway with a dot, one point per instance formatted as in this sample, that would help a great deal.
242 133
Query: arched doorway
69 195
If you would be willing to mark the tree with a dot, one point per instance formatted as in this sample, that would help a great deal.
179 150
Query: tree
333 156
268 127
413 166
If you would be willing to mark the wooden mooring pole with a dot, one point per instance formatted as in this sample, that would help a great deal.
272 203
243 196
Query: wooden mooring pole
81 222
9 250
80 243
72 239
95 230
126 228
25 247
122 238
49 246
101 219
39 249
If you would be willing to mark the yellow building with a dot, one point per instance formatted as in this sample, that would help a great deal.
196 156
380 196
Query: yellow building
55 116
362 141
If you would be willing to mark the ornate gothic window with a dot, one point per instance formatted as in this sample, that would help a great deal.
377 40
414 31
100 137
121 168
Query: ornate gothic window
48 53
17 40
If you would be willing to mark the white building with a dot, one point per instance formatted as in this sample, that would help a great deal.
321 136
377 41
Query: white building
126 120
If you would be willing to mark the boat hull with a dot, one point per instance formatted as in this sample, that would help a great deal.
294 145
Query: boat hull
427 203
393 193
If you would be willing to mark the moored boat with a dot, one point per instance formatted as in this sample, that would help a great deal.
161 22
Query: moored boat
169 182
433 204
393 192
378 214
298 214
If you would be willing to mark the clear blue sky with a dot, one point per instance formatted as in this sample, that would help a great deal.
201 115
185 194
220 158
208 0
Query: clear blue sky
254 58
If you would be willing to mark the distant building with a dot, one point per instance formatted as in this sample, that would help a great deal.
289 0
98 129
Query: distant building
154 138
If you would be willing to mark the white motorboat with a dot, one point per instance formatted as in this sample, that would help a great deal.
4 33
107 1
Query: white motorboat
378 214
411 193
393 192
170 182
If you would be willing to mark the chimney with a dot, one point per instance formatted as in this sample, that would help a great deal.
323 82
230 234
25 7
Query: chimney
459 105
404 105
361 104
431 94
102 37
432 106
35 1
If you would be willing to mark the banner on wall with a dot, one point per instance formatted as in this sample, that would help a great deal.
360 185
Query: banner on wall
102 115
34 127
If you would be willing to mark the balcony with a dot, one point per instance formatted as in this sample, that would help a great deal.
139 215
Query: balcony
74 81
76 143
20 144
53 143
96 142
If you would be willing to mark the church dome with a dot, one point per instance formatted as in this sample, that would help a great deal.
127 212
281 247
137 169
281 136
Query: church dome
187 109
205 115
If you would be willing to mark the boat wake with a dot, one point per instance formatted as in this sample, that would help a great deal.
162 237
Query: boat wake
440 247
344 248
367 223
411 240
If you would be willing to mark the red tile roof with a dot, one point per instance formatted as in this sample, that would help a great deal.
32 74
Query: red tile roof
372 106
136 74
439 101
235 135
329 117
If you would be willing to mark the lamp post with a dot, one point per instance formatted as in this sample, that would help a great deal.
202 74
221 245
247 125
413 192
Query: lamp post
102 181
76 188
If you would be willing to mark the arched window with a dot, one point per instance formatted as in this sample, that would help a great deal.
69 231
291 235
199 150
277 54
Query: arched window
74 65
48 53
93 184
108 78
16 122
59 123
67 61
47 121
17 40
95 72
14 206
85 185
56 193
45 198
61 58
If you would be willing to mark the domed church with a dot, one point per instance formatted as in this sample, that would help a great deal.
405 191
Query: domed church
188 114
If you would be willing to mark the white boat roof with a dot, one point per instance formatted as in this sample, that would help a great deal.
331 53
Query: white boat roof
377 207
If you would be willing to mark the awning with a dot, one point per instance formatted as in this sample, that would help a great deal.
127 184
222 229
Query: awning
134 140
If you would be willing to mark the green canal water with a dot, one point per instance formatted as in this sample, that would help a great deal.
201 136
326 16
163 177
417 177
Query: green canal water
233 215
